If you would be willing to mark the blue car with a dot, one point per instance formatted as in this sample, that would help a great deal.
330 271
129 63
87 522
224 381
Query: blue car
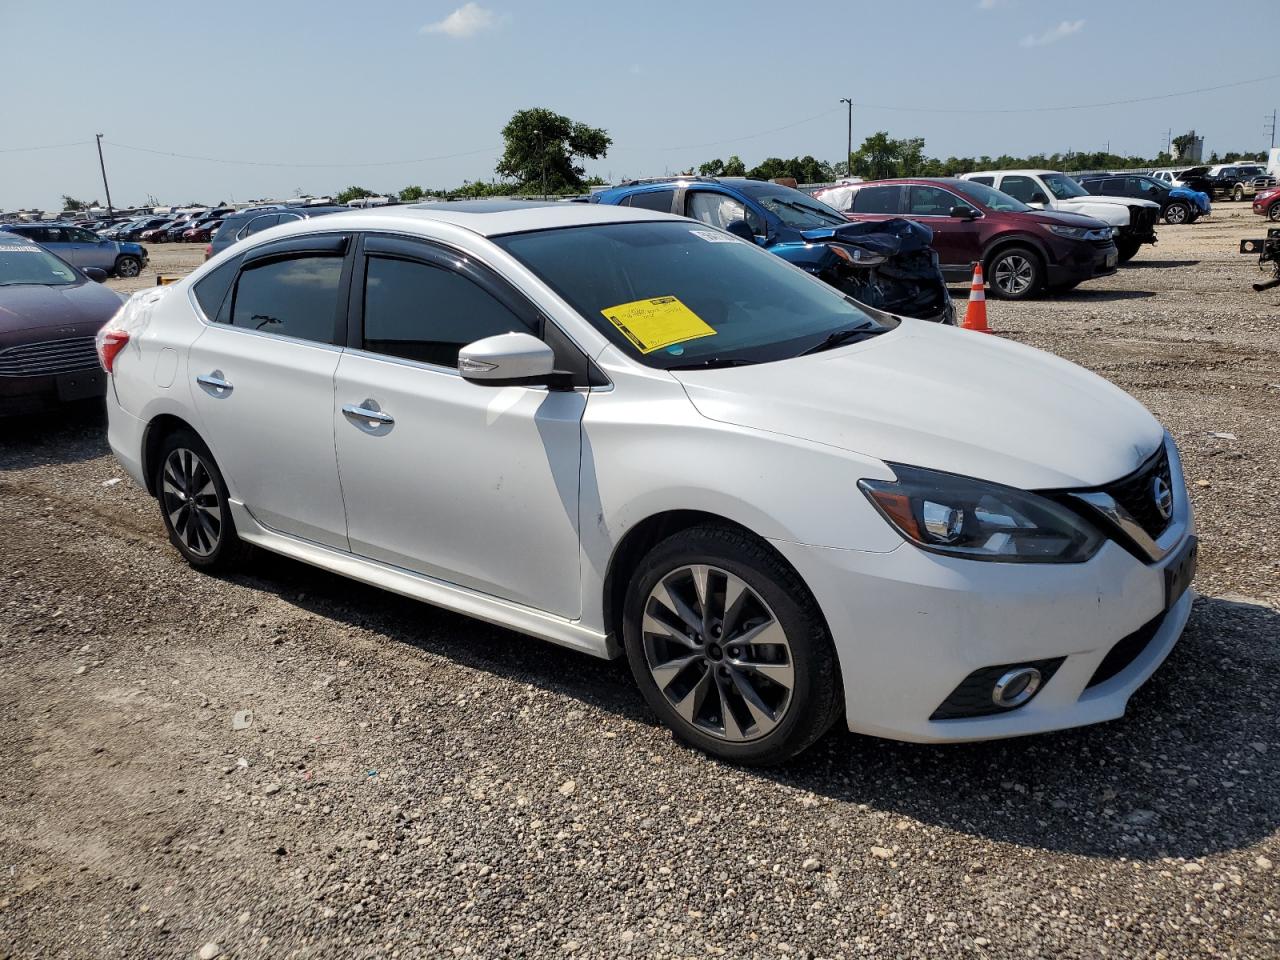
84 249
888 265
1177 204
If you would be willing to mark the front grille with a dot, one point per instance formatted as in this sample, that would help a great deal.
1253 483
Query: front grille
1143 219
1129 648
49 357
1134 493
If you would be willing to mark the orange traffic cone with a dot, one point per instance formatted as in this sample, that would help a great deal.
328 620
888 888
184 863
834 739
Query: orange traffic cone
975 315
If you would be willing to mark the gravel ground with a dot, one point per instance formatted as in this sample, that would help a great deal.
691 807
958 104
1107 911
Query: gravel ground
411 783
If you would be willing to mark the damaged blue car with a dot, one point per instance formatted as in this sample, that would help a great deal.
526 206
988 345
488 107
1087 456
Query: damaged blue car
890 265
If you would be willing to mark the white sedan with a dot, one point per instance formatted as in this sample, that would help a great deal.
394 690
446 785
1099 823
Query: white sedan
626 432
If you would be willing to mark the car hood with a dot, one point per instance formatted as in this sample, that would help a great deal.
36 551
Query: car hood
1063 217
31 307
946 399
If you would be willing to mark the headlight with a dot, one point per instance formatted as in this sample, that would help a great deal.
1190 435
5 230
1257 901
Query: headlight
1075 233
969 518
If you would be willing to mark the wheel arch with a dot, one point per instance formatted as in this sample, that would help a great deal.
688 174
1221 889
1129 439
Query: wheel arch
1005 241
648 533
157 430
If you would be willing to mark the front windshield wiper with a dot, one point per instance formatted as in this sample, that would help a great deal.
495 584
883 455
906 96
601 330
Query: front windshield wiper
838 337
712 363
816 214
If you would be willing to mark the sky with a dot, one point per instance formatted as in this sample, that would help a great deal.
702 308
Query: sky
284 97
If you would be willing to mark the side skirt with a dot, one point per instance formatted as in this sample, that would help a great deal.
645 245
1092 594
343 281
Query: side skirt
502 613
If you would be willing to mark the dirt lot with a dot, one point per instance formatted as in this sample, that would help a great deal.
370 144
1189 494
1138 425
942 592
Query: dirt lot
412 783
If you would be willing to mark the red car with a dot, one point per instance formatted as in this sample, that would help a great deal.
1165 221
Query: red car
1267 203
201 232
1023 250
156 234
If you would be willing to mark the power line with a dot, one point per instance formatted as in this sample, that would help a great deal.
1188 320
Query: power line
47 146
274 163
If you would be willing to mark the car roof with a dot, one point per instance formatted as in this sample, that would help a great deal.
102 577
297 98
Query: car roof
1022 172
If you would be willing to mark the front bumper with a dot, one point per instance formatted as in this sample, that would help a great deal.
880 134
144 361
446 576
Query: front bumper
25 395
1082 261
910 626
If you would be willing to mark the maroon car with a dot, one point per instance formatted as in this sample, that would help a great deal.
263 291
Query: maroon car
50 313
1023 251
201 232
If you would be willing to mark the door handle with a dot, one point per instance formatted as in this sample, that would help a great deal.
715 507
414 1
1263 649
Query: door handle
215 383
373 418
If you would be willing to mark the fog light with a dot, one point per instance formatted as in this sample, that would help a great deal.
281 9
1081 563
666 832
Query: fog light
1016 687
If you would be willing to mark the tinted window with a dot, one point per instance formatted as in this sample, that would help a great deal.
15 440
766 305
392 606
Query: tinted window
421 312
258 224
659 200
985 181
211 289
292 298
932 202
988 197
1021 188
1117 187
878 200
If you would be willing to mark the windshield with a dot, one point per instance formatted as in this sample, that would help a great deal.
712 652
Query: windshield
674 294
1148 182
1063 187
795 209
989 197
28 263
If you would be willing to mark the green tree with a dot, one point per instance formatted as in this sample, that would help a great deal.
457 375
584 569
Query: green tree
542 148
354 193
412 193
71 203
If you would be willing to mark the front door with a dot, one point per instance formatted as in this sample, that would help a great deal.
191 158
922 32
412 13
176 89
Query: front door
262 383
955 239
474 485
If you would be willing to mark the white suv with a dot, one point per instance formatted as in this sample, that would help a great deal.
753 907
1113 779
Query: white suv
625 431
1134 220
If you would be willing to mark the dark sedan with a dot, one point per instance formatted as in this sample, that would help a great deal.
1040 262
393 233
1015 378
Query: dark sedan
50 313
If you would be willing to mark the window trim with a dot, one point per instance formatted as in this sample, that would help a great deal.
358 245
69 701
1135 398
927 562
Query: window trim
441 255
290 249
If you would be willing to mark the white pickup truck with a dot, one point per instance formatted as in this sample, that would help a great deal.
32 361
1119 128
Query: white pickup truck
1134 220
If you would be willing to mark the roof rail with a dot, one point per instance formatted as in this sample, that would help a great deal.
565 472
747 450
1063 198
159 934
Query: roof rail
636 183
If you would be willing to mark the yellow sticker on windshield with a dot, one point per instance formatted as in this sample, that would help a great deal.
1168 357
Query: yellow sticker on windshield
656 323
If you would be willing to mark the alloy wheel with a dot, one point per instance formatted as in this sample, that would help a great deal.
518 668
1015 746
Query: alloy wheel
717 653
1013 275
1176 213
190 500
129 267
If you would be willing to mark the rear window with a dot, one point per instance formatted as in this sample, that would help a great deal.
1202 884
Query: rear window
211 290
878 200
659 200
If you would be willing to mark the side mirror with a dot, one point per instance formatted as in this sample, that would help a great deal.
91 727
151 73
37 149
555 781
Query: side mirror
962 212
509 359
740 230
1038 197
96 274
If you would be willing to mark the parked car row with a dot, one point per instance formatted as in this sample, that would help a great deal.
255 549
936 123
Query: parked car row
82 248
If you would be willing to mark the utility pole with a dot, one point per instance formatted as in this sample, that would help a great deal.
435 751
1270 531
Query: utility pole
1168 142
848 154
1272 126
103 167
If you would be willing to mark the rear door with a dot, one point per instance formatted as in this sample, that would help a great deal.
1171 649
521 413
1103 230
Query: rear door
263 383
718 209
956 239
474 485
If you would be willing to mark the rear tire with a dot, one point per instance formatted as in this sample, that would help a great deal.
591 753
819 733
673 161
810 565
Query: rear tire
729 647
128 267
1014 273
194 504
1178 212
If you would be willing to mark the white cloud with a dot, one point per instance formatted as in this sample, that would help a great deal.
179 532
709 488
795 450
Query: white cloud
1063 30
468 20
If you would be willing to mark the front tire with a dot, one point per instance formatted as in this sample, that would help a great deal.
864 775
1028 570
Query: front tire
128 267
1177 212
194 503
1128 249
1273 213
1015 273
1237 193
729 648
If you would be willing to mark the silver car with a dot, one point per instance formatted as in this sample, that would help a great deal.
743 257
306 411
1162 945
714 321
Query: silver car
83 248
